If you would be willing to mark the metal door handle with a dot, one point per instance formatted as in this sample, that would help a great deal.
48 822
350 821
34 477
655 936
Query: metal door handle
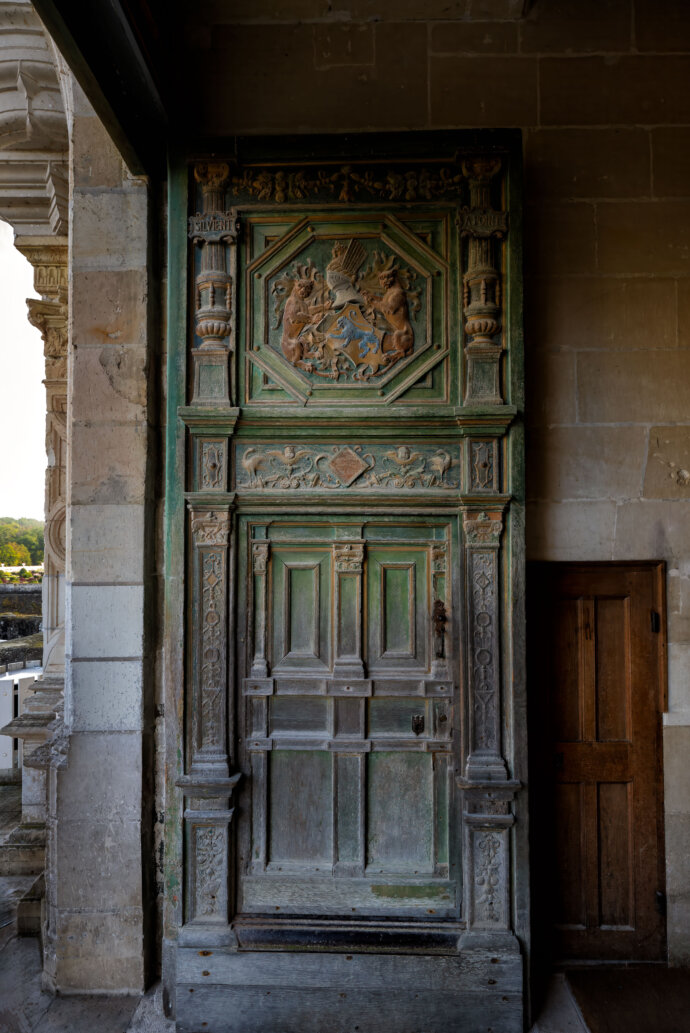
439 619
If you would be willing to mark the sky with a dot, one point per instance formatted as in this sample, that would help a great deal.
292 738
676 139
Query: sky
22 394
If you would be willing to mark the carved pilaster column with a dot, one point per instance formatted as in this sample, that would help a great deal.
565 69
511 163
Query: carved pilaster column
348 561
48 257
260 624
482 542
210 526
482 301
214 230
208 787
439 614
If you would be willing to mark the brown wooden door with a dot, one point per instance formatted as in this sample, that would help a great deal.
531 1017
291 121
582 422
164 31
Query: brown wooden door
596 676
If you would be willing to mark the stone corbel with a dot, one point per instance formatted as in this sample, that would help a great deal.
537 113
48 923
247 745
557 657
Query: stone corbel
210 532
482 301
214 230
482 532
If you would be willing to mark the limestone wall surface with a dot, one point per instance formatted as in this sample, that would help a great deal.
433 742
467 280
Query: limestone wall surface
95 937
600 90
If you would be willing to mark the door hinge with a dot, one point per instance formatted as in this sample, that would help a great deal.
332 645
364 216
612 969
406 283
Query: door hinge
656 622
660 903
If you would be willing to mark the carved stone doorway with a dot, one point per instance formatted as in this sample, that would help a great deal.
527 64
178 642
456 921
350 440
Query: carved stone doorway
349 760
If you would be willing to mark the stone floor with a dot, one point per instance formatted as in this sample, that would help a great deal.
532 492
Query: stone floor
25 1009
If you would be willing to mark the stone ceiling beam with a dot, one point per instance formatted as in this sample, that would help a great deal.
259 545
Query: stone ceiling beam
98 43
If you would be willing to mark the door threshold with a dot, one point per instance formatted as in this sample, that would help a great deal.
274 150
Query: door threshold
315 935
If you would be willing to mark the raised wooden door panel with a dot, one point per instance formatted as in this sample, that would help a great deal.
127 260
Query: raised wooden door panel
350 735
596 704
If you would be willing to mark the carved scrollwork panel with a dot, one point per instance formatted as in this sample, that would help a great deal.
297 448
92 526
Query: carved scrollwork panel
483 466
210 872
376 467
210 532
482 538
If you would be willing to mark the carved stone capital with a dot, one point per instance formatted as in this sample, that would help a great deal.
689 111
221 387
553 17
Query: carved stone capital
210 526
349 557
482 529
211 175
260 557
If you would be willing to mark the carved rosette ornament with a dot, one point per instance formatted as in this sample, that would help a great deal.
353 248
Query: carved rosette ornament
214 231
210 528
482 302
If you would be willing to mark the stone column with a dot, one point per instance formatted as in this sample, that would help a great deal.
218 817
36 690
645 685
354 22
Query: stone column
48 256
100 818
482 301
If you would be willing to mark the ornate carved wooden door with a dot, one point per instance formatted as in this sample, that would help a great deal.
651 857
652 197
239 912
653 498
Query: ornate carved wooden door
348 798
598 827
350 754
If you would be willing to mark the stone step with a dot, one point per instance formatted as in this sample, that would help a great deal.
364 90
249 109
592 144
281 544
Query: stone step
30 909
22 858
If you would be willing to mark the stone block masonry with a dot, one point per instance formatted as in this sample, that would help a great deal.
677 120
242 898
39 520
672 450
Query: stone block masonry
600 93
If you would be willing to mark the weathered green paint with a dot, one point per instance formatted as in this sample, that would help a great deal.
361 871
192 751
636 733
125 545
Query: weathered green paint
348 803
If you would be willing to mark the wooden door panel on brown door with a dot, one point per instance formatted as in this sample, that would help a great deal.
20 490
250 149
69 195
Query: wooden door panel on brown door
596 702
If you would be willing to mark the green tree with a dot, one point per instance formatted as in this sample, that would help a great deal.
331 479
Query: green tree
13 554
23 531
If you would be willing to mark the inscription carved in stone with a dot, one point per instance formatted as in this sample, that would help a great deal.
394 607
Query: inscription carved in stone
289 467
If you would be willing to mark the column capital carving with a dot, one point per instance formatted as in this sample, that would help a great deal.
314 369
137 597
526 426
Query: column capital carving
349 556
482 528
210 525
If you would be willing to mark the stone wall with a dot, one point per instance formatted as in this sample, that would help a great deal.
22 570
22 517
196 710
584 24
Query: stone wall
96 931
600 91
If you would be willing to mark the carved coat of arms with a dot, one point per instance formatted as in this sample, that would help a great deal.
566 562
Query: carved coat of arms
352 324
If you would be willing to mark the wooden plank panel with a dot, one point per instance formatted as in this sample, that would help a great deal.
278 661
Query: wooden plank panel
287 889
567 675
301 806
612 669
302 610
569 855
298 715
399 816
398 609
326 969
349 813
616 878
294 1010
393 716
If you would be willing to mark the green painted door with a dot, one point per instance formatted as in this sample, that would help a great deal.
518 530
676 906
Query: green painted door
348 713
